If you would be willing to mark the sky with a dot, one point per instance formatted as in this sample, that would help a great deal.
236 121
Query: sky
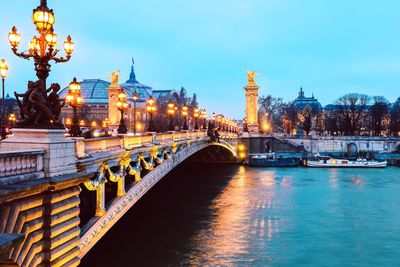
329 47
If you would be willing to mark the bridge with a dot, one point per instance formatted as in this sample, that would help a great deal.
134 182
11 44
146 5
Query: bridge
54 220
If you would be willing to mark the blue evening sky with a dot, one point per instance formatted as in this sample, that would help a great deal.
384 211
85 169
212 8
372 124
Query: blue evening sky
330 47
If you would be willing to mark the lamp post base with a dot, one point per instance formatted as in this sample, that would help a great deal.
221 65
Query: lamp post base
75 131
122 128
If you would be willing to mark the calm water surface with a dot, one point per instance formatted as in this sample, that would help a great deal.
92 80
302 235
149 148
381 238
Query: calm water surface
221 215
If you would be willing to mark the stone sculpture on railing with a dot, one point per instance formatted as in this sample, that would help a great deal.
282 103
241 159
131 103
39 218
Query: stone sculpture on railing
39 110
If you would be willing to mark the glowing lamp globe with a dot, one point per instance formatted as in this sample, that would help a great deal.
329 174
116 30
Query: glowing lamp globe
3 69
43 18
69 46
51 39
14 37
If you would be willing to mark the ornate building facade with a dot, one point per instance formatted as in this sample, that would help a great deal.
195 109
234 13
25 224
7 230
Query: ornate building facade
95 93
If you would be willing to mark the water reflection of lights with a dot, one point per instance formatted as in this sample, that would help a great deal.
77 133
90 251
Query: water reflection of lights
238 214
287 181
333 178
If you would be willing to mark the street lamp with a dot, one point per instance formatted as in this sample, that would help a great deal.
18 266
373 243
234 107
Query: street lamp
223 122
105 123
196 116
151 108
245 128
185 115
204 117
42 48
12 119
75 100
122 105
171 112
219 118
3 74
135 98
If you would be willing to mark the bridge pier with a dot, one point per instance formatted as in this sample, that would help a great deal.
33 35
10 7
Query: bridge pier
46 213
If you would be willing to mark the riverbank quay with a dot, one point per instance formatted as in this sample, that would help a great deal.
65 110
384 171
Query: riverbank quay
304 148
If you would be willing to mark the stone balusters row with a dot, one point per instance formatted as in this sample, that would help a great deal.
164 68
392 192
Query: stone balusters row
21 162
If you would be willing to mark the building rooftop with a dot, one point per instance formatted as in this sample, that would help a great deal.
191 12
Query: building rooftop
95 91
302 101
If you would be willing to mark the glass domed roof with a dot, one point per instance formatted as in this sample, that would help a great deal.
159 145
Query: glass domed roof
95 91
92 91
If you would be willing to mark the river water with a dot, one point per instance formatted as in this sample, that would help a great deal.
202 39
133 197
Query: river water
229 215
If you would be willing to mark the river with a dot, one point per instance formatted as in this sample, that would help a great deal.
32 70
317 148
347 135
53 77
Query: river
230 215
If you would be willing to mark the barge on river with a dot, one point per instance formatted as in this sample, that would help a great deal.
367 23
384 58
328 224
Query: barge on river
271 160
328 162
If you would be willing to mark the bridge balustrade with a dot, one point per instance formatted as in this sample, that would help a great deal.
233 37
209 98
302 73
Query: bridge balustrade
17 163
85 147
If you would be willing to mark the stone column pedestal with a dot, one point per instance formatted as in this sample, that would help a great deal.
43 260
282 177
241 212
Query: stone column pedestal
252 108
59 157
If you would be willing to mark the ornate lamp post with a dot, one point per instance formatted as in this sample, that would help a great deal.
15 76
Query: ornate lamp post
122 105
223 121
135 98
185 115
245 128
204 117
171 112
219 118
42 48
75 100
151 108
196 117
3 74
12 119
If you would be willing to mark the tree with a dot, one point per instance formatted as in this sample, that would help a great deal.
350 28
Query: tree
394 126
378 114
289 117
331 124
306 117
271 108
351 109
180 99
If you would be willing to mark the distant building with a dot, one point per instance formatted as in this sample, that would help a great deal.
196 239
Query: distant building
302 101
95 96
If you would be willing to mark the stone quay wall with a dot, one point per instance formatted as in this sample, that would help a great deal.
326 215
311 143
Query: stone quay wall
347 144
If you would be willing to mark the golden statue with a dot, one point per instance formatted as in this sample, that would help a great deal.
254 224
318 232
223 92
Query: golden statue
250 77
114 77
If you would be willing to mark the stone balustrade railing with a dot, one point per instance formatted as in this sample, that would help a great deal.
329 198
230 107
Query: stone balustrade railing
85 147
21 162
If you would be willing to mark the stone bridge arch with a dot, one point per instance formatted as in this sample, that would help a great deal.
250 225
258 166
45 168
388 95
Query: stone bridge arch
171 157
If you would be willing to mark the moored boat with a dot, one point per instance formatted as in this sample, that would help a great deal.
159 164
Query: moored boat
271 160
328 162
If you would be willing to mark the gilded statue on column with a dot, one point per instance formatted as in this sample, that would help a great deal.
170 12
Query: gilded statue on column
114 77
250 77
